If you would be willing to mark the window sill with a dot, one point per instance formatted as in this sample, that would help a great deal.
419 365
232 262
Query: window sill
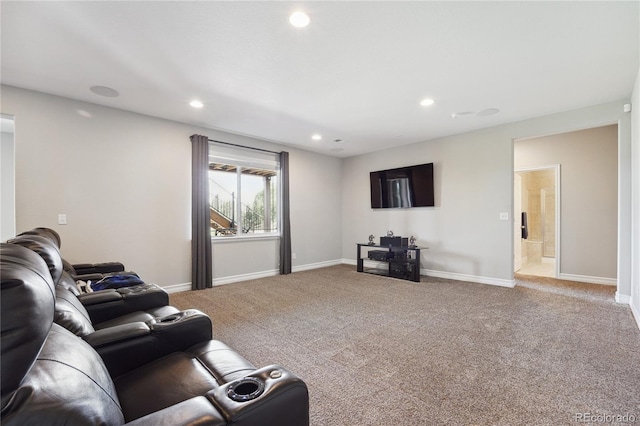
244 238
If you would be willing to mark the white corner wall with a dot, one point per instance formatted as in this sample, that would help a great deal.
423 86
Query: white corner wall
635 184
7 186
124 181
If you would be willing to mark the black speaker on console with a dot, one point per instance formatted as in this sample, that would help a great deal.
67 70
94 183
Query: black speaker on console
394 241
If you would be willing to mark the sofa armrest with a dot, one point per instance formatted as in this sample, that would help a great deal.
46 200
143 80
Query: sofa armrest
284 399
195 411
182 330
174 333
98 297
118 333
105 305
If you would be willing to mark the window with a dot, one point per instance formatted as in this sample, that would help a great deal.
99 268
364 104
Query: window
243 191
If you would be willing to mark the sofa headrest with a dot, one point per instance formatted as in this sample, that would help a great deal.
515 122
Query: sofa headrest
67 281
68 267
27 299
45 232
46 248
71 314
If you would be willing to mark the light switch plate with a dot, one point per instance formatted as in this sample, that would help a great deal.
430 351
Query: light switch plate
62 219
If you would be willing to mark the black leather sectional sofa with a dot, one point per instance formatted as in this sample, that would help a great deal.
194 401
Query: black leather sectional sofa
122 356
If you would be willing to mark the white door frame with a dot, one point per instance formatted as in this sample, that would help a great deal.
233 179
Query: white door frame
7 177
517 222
556 169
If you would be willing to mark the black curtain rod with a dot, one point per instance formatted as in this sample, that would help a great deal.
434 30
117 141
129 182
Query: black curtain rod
242 146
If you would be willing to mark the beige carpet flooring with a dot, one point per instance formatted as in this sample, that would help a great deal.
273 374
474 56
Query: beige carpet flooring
381 351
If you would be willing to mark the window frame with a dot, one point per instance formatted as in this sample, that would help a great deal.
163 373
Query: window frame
246 158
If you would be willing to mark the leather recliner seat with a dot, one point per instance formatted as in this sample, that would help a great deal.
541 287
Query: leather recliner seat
144 335
51 376
138 303
78 271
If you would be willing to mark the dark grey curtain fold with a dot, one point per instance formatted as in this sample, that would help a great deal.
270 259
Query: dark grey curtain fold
201 261
285 231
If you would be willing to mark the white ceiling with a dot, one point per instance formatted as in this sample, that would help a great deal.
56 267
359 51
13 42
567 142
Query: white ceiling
356 73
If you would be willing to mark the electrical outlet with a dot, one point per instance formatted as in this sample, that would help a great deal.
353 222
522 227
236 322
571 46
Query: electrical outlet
62 219
293 255
504 215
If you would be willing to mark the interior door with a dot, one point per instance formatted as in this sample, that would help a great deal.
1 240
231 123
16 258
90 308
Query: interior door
517 222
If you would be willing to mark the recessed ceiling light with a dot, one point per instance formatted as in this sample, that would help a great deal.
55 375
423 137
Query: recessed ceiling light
299 19
104 91
427 102
316 137
196 103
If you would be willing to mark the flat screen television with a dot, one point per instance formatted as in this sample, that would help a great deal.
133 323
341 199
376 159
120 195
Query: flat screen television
403 187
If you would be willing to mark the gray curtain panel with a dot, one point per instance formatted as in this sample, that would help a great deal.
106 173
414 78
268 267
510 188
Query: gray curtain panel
201 261
285 231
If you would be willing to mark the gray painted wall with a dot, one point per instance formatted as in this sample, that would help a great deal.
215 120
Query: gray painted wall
473 184
635 211
472 174
124 180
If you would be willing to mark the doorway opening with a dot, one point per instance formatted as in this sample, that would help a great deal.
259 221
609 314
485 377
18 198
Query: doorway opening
537 224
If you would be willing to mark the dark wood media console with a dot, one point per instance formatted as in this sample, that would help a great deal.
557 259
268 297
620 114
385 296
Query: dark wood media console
401 262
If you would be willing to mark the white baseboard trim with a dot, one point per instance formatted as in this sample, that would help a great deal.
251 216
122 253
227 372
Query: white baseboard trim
177 288
446 275
470 278
623 298
317 265
589 279
245 277
634 311
427 272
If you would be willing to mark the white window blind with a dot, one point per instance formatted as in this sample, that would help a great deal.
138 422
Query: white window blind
243 157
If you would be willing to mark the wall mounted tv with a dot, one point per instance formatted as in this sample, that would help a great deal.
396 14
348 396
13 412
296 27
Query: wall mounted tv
403 187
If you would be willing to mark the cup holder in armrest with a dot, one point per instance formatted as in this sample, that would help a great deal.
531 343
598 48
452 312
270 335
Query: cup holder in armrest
245 389
189 317
170 318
